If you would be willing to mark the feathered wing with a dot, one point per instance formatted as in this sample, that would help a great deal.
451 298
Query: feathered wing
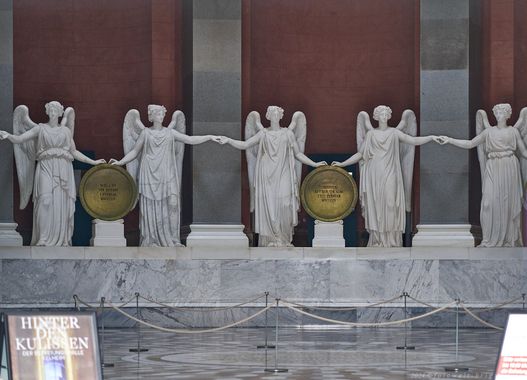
522 128
252 127
68 119
25 154
178 123
406 155
299 129
132 129
482 123
363 127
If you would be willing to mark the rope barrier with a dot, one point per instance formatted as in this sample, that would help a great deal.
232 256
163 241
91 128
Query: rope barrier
498 306
367 324
194 308
342 308
99 306
479 319
184 331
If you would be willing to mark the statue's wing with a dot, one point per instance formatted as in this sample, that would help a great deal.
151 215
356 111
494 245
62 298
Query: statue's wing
25 154
178 123
299 128
482 123
68 119
363 127
132 129
522 128
407 153
252 127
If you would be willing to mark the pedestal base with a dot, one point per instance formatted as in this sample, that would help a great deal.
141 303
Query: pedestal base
9 237
329 234
443 235
217 235
108 234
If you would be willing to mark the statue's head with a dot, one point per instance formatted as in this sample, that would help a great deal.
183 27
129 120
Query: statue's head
382 113
54 109
156 113
502 111
274 112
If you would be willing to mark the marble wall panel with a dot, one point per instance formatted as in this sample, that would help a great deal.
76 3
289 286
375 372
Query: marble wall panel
244 279
302 280
376 280
481 281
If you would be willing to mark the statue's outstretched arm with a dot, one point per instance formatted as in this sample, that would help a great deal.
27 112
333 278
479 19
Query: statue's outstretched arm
305 159
83 158
241 145
417 140
19 139
192 140
132 154
467 144
350 161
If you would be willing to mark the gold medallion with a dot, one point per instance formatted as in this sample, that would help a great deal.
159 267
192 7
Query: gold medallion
108 192
329 193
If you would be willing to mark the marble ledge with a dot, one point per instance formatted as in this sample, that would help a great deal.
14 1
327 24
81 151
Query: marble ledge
258 253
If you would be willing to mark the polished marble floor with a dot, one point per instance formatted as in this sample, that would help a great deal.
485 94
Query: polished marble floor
321 354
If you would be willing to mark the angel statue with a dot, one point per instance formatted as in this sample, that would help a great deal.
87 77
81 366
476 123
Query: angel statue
154 158
501 174
51 180
274 175
386 157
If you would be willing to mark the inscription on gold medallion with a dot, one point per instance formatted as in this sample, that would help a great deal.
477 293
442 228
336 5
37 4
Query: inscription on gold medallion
329 193
108 192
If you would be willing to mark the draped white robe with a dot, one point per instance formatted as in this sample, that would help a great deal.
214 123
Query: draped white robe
502 197
54 188
276 201
382 189
158 185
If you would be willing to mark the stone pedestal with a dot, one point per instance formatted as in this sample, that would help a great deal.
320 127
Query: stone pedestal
329 234
217 235
443 235
9 237
108 234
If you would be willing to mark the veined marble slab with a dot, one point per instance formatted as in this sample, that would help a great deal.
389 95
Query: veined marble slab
45 276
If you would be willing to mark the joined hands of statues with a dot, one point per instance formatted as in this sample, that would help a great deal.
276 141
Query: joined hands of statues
4 135
441 140
221 139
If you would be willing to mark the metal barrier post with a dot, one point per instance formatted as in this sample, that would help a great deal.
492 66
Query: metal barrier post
276 369
457 368
406 346
76 303
523 300
266 344
137 315
103 363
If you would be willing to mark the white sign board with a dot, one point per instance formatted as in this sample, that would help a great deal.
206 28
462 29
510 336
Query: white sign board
512 362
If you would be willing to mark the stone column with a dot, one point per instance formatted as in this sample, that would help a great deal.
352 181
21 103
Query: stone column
446 70
8 234
216 109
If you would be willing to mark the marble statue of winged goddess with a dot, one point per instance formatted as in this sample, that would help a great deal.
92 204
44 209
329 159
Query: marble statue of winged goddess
386 157
500 150
274 159
154 158
44 154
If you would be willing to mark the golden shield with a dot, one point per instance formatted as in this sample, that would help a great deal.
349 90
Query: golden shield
329 193
108 192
